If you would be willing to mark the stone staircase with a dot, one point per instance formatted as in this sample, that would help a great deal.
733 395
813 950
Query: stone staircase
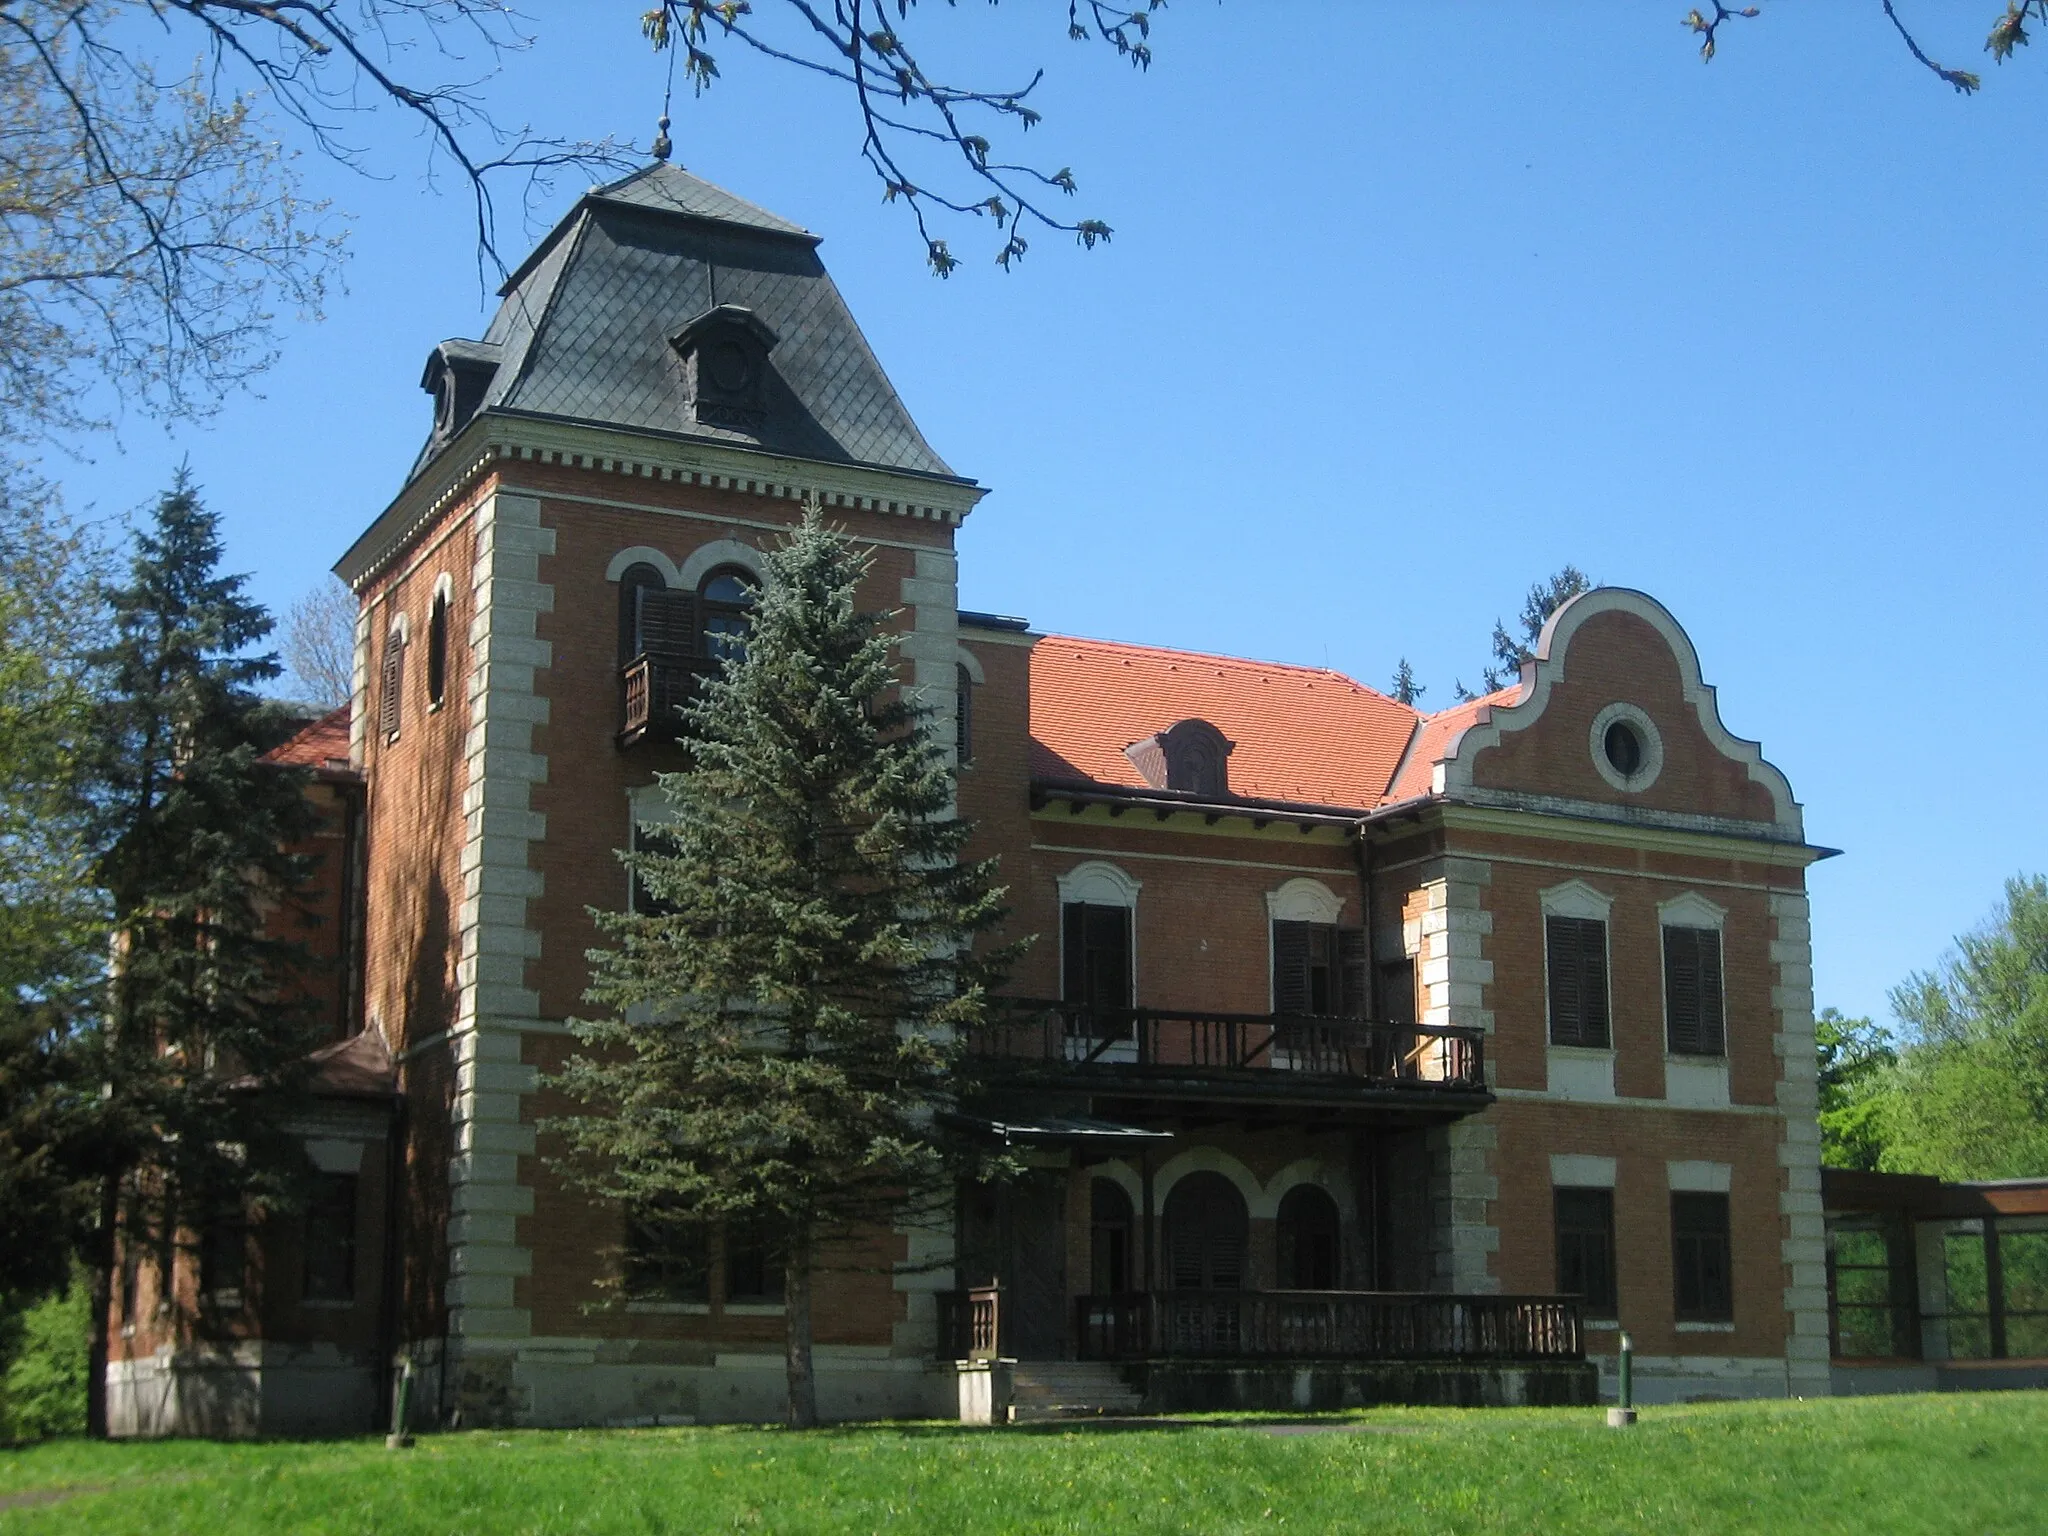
1068 1389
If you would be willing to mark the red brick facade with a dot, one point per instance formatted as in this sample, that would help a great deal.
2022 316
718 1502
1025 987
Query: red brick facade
1430 850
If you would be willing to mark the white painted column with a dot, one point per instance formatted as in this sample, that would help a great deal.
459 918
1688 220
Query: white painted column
1452 976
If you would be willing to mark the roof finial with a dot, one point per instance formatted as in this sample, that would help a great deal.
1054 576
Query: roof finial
662 146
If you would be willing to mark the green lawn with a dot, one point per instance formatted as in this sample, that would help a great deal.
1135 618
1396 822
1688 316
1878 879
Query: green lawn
1961 1464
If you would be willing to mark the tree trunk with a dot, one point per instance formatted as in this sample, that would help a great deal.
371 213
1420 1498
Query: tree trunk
796 1298
102 1303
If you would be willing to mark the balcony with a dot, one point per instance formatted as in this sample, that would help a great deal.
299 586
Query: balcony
1179 1051
654 688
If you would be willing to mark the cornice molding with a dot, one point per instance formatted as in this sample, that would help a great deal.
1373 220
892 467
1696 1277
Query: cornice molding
497 439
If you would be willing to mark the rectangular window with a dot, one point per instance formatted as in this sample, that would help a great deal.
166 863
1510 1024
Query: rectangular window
1700 1260
1576 949
754 1264
1096 956
667 1260
331 1239
1585 1248
1318 970
224 1259
1873 1294
642 900
1693 1016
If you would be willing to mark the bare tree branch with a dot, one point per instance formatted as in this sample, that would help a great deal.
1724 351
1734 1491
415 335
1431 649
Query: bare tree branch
904 105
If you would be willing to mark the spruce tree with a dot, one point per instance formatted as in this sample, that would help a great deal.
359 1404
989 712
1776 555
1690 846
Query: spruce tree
200 1049
785 1024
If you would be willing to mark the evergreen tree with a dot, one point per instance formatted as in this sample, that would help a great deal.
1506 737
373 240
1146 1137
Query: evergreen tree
1509 650
199 1048
1406 690
785 1023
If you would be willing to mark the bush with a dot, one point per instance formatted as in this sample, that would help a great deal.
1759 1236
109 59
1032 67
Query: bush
43 1393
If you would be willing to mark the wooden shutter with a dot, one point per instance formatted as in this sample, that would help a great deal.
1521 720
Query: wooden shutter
1351 973
389 704
1074 952
1290 968
667 623
1577 954
1692 992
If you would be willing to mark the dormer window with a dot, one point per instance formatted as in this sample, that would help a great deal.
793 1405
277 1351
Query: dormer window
458 375
1191 756
725 367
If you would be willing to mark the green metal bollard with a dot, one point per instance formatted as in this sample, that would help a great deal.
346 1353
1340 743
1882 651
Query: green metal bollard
1623 1413
401 1409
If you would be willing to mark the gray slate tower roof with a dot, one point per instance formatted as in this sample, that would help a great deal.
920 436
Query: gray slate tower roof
602 324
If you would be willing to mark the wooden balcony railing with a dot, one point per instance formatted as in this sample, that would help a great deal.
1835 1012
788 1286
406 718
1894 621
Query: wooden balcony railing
1326 1325
1067 1037
654 688
970 1324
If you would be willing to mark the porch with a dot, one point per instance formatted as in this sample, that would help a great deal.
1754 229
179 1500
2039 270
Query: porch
1282 1325
1273 1351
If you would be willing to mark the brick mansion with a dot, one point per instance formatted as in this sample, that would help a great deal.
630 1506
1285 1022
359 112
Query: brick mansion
1364 1053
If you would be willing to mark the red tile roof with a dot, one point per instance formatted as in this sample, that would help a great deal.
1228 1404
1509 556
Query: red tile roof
1438 732
1303 734
321 744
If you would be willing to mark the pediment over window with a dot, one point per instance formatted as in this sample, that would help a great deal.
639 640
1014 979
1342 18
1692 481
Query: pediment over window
1190 755
725 367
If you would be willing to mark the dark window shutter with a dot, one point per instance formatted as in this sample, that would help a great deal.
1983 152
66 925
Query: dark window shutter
1682 990
1290 968
668 622
1110 939
1351 970
963 715
1692 992
1713 1021
1577 954
389 704
634 580
1074 952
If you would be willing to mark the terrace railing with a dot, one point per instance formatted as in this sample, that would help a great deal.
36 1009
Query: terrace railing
1051 1035
1326 1325
970 1323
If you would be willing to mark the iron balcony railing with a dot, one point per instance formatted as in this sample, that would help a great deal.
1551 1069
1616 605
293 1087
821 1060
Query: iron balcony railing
1326 1325
654 688
1064 1037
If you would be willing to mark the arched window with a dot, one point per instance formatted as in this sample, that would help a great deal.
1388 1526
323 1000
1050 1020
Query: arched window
1109 1238
1207 1232
1309 1240
963 714
725 607
437 650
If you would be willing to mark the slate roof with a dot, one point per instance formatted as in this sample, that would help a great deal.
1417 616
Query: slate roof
583 334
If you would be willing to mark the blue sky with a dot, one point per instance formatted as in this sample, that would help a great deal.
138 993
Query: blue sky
1407 306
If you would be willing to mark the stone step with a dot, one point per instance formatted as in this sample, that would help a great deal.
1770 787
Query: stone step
1066 1389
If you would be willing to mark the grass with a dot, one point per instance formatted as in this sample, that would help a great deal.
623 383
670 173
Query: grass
1953 1463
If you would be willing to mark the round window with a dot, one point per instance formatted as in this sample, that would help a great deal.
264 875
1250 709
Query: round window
1624 749
730 368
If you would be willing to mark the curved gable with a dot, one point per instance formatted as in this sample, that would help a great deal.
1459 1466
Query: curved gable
1606 655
